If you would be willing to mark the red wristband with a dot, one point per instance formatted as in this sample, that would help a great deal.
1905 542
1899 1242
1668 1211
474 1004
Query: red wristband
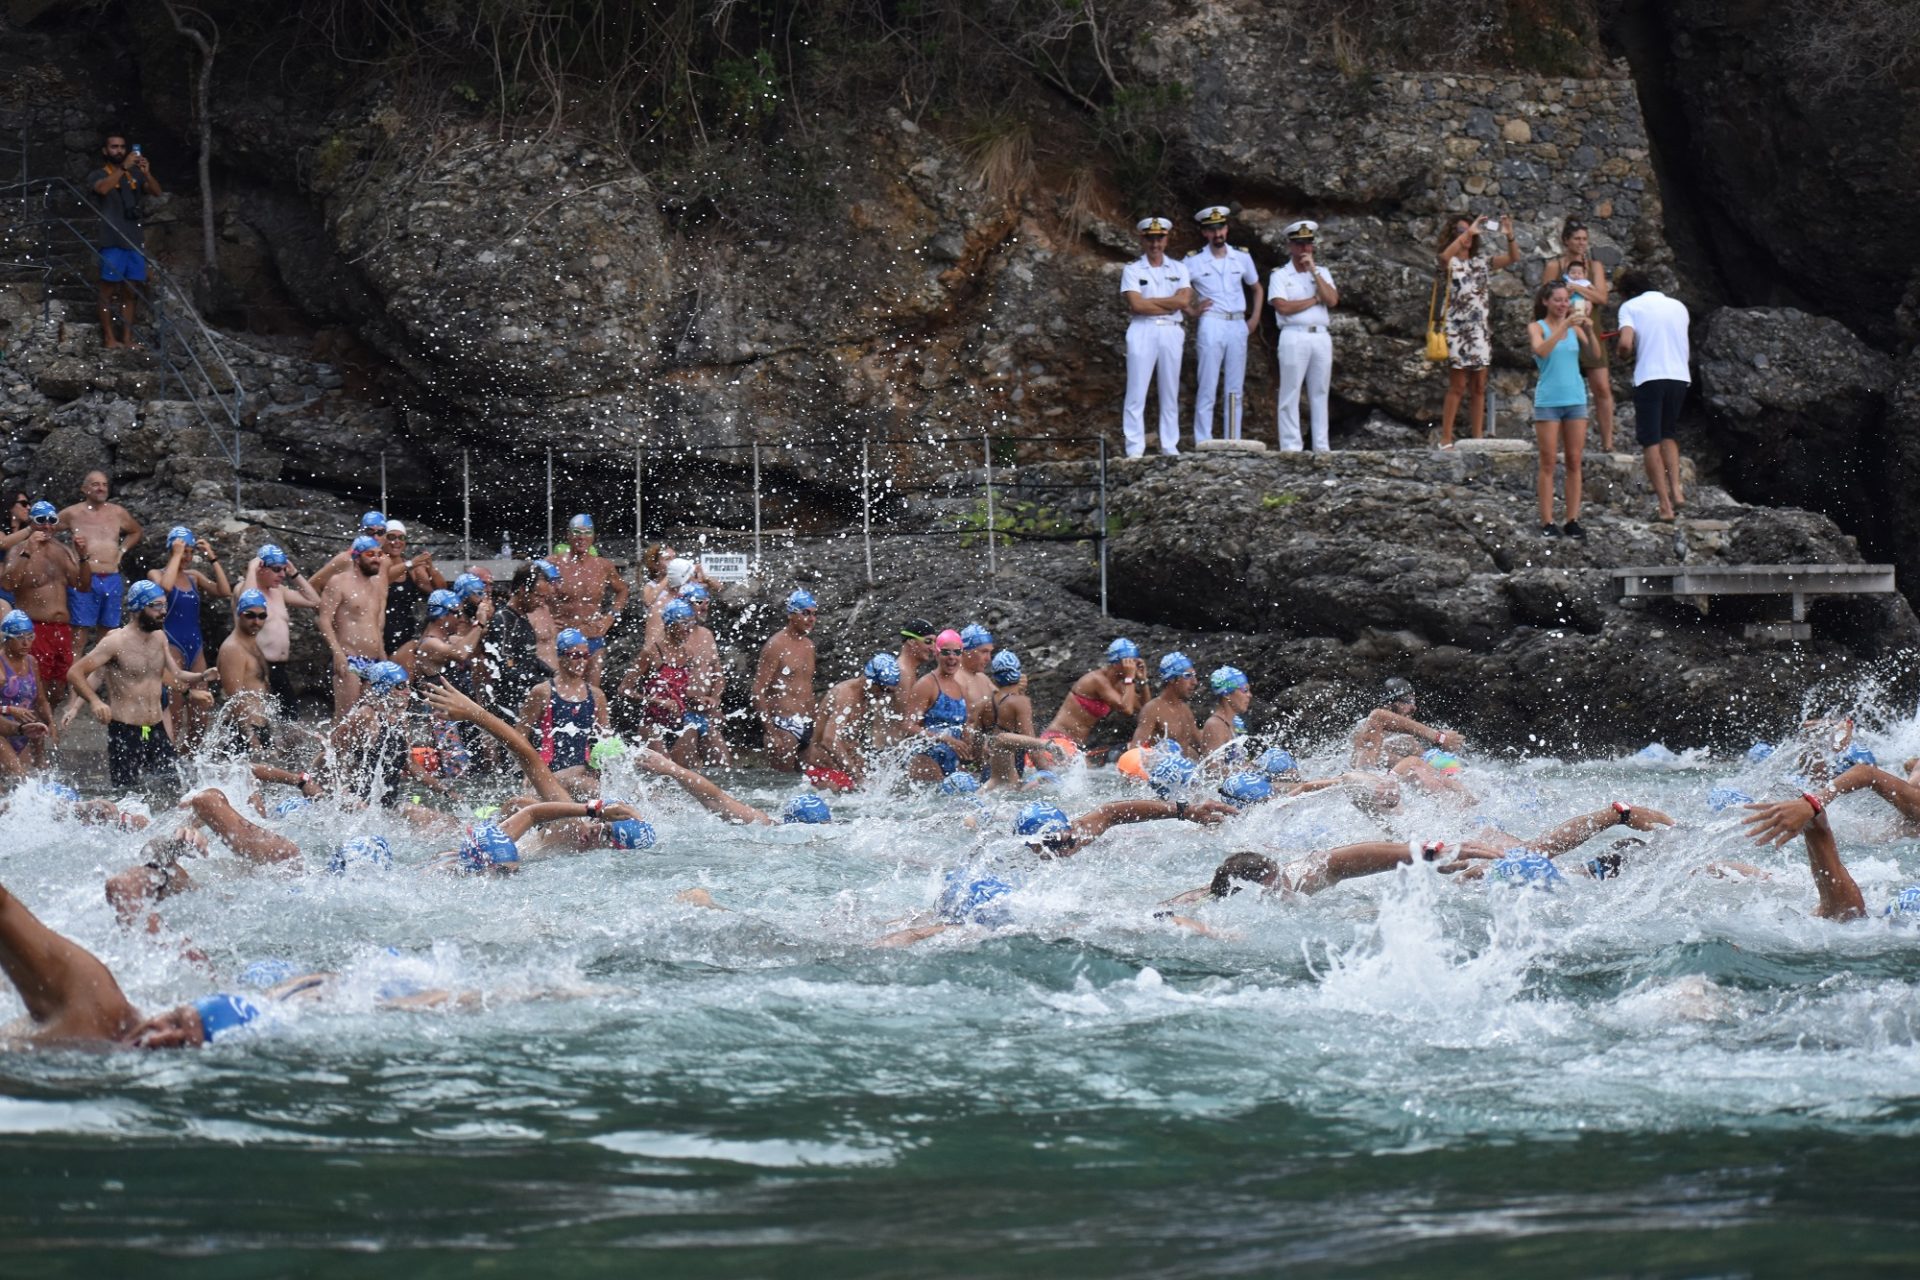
1813 800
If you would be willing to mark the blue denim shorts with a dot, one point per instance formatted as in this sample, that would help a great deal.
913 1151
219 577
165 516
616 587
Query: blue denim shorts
1560 412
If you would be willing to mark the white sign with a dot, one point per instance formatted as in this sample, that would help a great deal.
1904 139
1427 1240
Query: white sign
726 566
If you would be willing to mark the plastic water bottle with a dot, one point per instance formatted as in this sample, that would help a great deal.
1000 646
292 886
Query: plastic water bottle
506 546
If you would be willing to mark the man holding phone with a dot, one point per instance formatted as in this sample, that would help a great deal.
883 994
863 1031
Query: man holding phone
120 189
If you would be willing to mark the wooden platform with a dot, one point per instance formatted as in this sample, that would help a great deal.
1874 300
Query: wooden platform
1700 583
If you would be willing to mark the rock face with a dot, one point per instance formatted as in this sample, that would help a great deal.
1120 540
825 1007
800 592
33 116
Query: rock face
1797 403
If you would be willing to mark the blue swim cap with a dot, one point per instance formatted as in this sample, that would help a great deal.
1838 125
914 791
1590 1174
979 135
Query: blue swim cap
675 611
251 598
373 520
582 522
471 586
1039 817
806 809
365 543
959 784
571 638
1005 668
1907 904
801 600
1225 680
1122 649
180 533
441 603
1725 798
631 833
1246 788
144 593
1759 751
222 1013
1525 867
1857 754
43 510
1276 761
1174 665
1042 778
59 791
16 623
883 669
268 972
966 898
1171 775
486 847
384 675
548 570
975 636
290 806
272 556
695 592
371 850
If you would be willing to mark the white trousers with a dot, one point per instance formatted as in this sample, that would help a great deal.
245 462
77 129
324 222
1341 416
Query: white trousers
1305 359
1153 353
1220 346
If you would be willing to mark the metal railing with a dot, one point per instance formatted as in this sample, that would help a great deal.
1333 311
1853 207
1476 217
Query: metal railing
64 251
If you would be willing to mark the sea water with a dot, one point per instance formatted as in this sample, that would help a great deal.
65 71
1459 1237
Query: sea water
1672 1073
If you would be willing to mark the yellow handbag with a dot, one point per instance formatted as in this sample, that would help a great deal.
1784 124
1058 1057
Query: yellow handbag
1437 337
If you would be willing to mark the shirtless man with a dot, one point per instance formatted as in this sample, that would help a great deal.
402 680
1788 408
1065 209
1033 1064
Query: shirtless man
136 662
580 596
41 573
1225 724
856 716
709 682
1119 686
353 613
373 524
243 670
976 654
273 575
521 643
108 532
450 636
783 685
916 651
1168 718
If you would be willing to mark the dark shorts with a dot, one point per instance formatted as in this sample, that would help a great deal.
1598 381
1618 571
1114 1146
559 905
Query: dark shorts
122 264
99 604
278 684
135 752
1656 410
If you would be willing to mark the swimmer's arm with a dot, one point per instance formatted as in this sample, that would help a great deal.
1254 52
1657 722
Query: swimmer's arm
1188 923
308 784
1575 832
1896 791
702 788
455 705
1121 812
1189 898
1840 897
699 898
45 968
907 937
765 674
1312 785
524 820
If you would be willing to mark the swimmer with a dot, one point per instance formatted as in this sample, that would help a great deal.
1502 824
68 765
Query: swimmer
1168 717
493 847
916 651
857 716
159 875
567 714
1780 821
26 713
976 644
707 689
802 809
783 684
1048 831
1374 749
940 706
1007 708
245 674
1119 686
660 683
186 587
1223 735
1491 844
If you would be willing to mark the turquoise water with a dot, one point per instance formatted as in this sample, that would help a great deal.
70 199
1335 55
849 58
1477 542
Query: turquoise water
1674 1074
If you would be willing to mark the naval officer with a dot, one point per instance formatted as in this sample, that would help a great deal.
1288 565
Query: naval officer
1157 293
1222 276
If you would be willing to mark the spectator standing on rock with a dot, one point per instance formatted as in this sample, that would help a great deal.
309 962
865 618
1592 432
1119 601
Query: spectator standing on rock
1557 337
580 598
1586 279
1653 330
1469 316
1302 294
1157 293
1221 275
42 573
783 684
120 188
110 531
353 610
272 574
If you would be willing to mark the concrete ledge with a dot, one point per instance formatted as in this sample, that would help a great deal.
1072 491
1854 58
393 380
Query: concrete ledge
1230 446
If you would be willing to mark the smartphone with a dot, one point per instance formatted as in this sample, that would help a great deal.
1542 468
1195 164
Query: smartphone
1493 224
136 148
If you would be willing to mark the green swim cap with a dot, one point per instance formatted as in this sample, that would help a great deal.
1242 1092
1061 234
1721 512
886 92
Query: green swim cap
604 753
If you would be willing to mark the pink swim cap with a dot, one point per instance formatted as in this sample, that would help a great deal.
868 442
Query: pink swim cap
948 637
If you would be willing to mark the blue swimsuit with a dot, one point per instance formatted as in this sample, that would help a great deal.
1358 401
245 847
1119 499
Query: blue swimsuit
183 621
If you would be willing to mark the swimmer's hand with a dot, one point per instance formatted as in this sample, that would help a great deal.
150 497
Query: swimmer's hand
1211 813
1779 822
1476 851
1647 819
1449 740
618 813
450 702
698 898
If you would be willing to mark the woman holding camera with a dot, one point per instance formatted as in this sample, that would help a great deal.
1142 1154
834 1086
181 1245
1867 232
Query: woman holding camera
1586 279
1559 338
1469 305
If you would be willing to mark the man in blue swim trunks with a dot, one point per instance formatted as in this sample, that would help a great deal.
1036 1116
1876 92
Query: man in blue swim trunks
120 189
103 532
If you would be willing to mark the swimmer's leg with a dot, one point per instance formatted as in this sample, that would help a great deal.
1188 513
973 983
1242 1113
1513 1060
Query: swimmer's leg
254 843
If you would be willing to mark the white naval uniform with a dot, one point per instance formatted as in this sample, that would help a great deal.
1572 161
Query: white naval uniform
1154 346
1221 342
1306 355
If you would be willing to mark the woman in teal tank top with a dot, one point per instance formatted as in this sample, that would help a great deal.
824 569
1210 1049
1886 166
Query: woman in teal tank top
1557 337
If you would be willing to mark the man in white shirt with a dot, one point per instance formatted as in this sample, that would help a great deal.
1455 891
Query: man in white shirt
1653 330
1157 294
1301 295
1221 276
